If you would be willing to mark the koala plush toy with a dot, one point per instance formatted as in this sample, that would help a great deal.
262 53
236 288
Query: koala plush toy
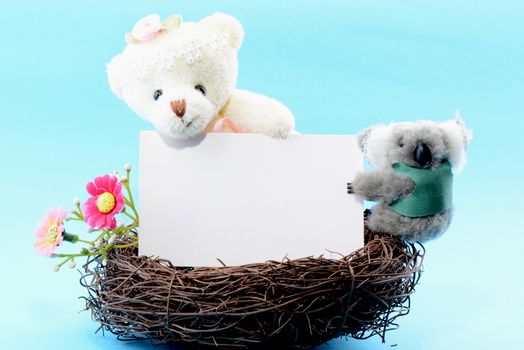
182 78
412 180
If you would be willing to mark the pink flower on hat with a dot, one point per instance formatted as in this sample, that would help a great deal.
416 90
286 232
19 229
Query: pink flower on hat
147 28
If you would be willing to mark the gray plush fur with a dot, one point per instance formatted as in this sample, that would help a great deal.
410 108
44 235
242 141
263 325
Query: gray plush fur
382 219
385 145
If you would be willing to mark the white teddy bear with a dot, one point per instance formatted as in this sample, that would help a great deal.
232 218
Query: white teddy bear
181 77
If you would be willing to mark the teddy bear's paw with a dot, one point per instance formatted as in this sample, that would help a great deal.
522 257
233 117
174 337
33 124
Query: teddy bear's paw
280 131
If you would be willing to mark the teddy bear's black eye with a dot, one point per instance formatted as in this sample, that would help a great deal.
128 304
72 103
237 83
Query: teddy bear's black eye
201 88
157 94
401 143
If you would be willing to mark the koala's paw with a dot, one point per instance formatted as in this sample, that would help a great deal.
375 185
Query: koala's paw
369 185
409 188
350 188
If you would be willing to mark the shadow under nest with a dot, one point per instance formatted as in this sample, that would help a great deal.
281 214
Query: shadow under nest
296 303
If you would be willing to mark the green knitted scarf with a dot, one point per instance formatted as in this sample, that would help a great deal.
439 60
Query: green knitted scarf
433 192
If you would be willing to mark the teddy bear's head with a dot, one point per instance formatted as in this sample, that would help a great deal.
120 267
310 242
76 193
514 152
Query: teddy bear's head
178 75
421 144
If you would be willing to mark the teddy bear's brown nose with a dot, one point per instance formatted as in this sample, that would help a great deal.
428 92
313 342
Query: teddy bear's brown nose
178 107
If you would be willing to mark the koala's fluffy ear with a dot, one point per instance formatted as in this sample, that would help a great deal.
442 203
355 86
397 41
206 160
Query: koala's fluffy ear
116 73
362 138
376 132
374 142
457 138
227 24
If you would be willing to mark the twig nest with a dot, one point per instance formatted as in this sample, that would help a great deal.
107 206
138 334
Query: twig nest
298 303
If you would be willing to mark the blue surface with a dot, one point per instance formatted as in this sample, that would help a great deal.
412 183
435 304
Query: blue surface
340 66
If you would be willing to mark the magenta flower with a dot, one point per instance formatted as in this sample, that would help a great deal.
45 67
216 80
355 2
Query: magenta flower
50 232
107 200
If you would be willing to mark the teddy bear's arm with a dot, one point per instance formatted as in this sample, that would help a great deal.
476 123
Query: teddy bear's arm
259 114
380 185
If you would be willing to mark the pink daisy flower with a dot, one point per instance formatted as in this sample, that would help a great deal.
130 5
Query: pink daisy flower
50 232
107 200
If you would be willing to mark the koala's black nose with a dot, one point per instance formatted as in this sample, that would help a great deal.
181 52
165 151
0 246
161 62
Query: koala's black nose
422 155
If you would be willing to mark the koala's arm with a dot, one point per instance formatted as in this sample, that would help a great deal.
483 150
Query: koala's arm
259 114
380 185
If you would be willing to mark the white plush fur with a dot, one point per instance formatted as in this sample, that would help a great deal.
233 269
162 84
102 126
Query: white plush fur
260 114
181 57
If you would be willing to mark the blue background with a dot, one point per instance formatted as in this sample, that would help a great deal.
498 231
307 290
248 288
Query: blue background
340 66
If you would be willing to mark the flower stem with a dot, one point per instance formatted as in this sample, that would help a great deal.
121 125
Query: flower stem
65 260
76 219
133 244
99 237
131 201
80 214
75 255
129 215
129 235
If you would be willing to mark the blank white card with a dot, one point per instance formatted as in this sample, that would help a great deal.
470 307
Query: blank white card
247 198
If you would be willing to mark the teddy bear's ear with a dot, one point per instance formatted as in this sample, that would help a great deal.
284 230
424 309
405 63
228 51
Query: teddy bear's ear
457 138
116 73
228 24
